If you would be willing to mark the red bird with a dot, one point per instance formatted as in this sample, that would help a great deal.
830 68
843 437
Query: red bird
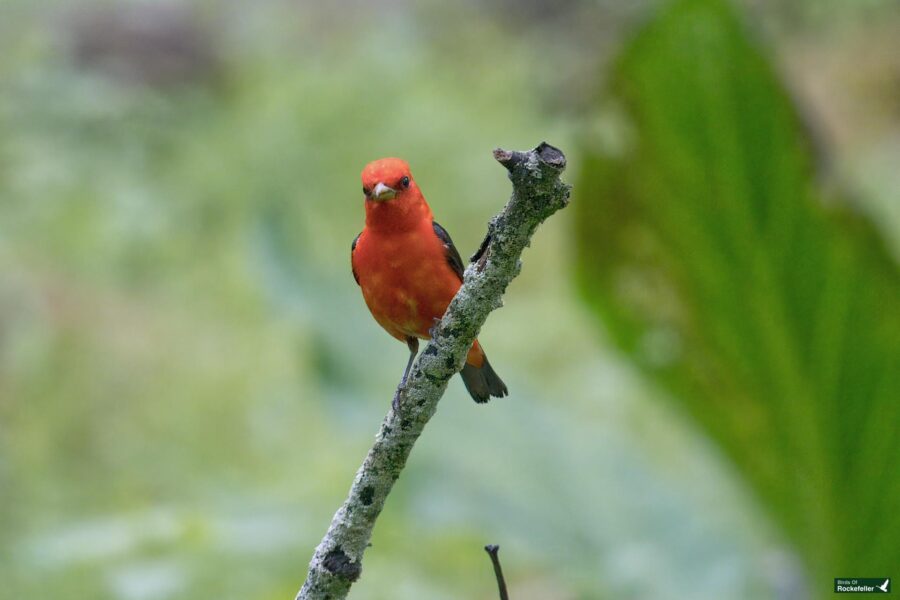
409 270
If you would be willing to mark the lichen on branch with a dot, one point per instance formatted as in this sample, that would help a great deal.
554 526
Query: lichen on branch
537 194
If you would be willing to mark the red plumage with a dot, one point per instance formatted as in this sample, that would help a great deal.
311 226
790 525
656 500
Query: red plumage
408 269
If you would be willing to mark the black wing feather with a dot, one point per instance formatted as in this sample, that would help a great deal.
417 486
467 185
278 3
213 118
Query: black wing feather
453 257
352 248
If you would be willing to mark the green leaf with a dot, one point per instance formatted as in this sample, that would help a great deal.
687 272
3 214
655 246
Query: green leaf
769 311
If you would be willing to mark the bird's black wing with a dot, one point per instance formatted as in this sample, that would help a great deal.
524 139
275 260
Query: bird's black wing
453 257
352 248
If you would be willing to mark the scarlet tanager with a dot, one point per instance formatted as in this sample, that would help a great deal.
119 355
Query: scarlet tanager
409 270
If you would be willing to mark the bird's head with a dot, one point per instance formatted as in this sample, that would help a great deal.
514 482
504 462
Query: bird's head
393 200
388 179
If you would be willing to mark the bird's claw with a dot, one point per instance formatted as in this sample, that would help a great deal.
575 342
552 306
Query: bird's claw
395 403
433 329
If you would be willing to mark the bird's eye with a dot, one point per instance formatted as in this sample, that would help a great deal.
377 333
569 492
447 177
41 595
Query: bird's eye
405 182
365 190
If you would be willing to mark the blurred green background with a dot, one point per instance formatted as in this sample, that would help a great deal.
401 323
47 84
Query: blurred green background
703 351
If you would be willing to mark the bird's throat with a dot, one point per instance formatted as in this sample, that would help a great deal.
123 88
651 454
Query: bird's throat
402 213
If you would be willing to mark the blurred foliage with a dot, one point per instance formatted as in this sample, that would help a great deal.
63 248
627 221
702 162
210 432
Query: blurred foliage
189 376
768 308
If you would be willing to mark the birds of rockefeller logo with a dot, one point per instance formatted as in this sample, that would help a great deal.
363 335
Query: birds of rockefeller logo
870 585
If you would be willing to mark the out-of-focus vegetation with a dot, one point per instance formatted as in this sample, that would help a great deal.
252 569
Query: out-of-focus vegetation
769 308
189 377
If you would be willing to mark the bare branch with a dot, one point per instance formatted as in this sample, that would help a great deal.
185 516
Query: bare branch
492 551
537 194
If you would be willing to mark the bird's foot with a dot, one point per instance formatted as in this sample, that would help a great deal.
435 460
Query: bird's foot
433 329
395 403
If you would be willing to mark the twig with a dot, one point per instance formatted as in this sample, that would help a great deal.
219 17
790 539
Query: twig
492 551
537 194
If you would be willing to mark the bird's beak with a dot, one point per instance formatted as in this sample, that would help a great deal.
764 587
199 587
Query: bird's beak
383 192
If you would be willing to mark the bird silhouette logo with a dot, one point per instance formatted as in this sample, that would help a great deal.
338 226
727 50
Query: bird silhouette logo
884 586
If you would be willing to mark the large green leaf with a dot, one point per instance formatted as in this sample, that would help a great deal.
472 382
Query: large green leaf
769 311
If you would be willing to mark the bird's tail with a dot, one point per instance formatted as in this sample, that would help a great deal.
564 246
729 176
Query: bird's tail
482 382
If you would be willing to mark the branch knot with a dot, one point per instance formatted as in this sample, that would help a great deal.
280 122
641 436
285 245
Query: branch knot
338 563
